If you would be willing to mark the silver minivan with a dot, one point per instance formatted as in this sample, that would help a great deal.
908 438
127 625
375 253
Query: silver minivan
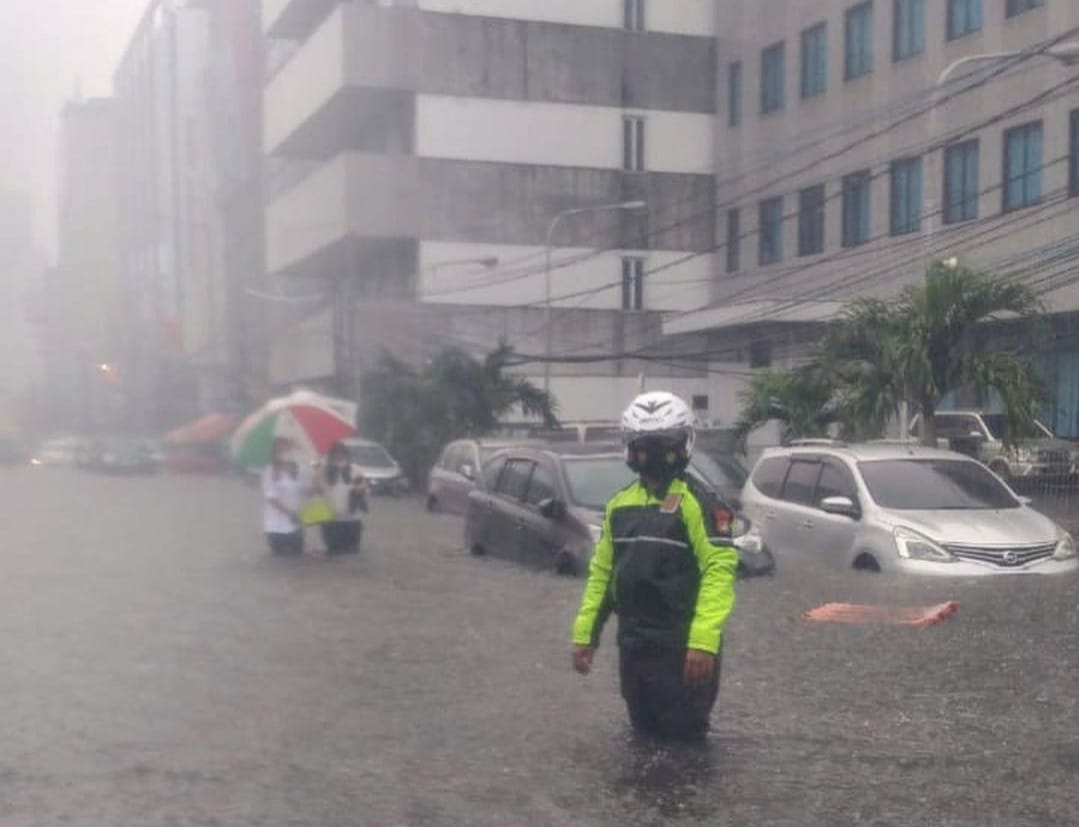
899 507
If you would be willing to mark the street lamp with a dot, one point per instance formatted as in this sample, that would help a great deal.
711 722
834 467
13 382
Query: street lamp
551 229
1066 54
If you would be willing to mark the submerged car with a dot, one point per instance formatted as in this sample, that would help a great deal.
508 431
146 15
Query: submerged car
903 507
457 472
118 455
544 506
1018 457
381 471
59 451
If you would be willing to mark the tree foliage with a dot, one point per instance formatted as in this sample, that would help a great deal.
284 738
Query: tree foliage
916 349
415 412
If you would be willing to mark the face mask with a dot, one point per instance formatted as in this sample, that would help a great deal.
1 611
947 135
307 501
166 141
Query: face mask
654 458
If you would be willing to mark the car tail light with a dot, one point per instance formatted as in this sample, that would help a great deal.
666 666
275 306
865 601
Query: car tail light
723 518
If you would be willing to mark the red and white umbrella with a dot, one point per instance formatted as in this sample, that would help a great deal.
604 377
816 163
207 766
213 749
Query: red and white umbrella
311 421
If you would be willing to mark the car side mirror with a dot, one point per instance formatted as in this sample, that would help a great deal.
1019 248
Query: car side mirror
552 509
841 506
1025 500
468 472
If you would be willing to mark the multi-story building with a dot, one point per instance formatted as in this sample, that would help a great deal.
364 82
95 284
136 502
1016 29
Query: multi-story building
188 93
20 363
82 307
858 140
424 155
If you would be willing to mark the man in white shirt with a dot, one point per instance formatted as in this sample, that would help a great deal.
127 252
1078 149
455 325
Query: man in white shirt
283 489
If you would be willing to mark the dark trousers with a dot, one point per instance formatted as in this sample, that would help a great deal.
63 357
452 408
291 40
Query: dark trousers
657 698
291 543
342 537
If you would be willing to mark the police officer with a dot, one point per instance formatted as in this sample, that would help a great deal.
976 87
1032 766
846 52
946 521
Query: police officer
657 569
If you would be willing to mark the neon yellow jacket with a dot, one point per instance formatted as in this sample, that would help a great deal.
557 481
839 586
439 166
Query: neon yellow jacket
657 569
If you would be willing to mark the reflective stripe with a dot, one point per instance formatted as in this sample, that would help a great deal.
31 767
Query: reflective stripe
661 540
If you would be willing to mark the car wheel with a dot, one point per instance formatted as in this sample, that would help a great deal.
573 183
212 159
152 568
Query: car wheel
565 564
866 562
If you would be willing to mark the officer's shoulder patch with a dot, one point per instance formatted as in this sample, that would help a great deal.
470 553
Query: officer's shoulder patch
671 504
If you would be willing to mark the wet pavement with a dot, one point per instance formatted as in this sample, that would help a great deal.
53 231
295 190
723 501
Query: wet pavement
159 668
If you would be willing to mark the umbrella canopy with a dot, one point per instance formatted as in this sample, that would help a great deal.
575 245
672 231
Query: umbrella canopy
211 428
313 422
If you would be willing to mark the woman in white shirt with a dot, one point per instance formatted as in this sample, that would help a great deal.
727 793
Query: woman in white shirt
345 489
283 490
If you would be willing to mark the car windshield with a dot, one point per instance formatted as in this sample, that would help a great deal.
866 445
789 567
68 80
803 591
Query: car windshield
592 480
999 427
720 469
371 456
934 484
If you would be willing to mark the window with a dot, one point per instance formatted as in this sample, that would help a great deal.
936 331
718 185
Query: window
1014 7
815 60
856 208
634 15
1073 154
811 220
633 143
513 481
956 426
964 17
700 402
771 231
633 284
734 239
734 93
773 70
906 212
801 482
835 481
1022 166
760 353
961 182
769 476
908 34
541 487
859 41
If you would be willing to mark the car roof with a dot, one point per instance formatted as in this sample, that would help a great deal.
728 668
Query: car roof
563 450
867 451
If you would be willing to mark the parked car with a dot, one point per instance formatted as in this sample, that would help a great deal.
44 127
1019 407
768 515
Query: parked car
982 435
544 505
382 472
725 472
583 431
458 471
899 507
60 451
118 455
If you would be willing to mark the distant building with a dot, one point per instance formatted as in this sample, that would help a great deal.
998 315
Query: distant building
23 262
419 152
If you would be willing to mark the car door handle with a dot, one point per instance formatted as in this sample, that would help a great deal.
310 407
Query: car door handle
808 524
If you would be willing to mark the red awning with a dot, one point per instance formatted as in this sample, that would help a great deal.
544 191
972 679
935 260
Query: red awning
211 428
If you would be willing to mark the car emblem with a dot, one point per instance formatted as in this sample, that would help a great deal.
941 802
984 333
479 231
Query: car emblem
1011 558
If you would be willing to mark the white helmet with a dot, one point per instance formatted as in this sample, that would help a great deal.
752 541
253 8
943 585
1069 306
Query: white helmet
659 414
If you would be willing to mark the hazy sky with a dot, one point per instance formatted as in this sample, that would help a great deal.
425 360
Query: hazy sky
48 49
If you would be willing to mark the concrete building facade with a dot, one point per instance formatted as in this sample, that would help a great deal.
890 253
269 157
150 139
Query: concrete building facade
858 141
418 153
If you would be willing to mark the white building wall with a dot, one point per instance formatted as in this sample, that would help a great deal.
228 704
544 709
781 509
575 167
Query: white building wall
580 277
691 17
558 134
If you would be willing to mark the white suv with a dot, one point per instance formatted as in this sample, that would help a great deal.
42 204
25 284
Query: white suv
899 507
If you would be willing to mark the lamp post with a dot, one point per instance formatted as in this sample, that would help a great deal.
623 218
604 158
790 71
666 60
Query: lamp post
551 229
1066 54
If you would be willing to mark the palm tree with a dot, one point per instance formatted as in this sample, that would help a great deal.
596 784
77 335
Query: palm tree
799 399
927 344
415 412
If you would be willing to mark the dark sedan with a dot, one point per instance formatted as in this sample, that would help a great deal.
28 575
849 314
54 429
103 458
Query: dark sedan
544 506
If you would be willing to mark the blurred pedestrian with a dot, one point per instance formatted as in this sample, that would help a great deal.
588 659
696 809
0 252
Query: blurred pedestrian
656 568
283 490
346 491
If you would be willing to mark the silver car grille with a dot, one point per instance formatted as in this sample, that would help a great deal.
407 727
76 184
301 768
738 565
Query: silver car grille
1007 558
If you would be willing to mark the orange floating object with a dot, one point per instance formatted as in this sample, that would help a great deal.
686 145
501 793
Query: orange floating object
920 616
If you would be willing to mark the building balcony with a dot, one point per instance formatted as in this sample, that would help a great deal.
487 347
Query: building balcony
293 19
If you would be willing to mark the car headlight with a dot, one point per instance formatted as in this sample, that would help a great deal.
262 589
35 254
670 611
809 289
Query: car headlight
596 533
1065 548
913 546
